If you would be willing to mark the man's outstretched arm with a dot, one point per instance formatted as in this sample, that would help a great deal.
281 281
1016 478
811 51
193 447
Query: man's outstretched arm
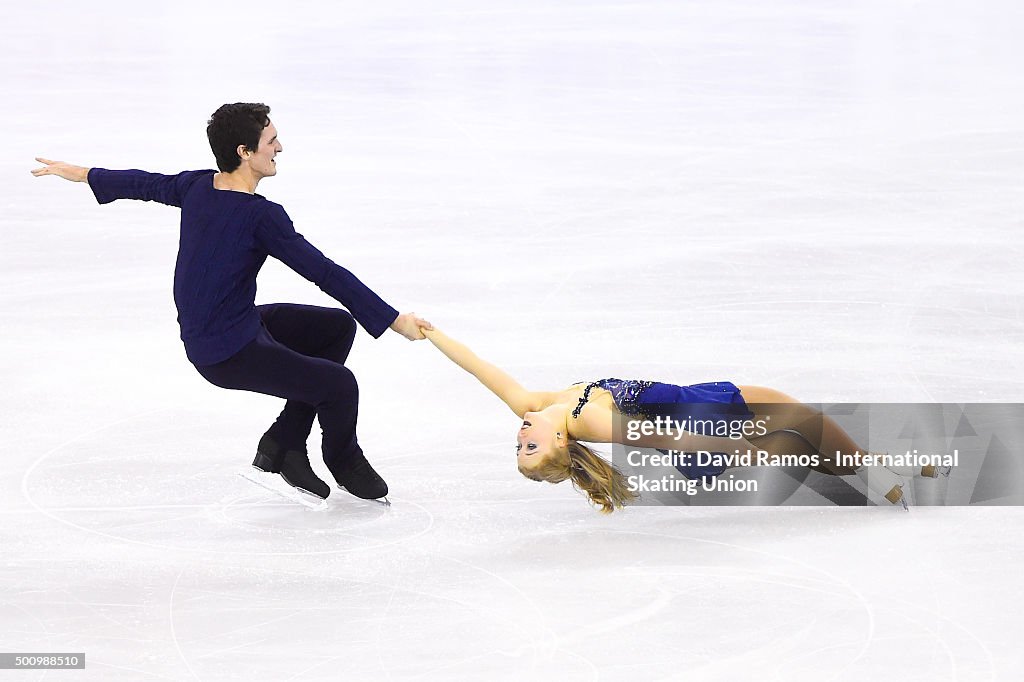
110 185
275 232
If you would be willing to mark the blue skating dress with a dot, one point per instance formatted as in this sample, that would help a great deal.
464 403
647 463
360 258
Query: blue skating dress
650 399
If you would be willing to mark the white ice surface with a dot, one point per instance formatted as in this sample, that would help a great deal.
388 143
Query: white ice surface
823 197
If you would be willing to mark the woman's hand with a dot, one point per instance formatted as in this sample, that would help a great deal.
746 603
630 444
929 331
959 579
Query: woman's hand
61 169
410 326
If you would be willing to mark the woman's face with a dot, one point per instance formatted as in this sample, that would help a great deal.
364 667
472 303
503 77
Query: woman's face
536 439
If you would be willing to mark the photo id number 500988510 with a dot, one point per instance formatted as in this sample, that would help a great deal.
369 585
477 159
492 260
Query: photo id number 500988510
41 661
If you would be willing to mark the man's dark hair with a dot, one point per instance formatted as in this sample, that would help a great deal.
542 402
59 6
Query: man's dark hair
232 125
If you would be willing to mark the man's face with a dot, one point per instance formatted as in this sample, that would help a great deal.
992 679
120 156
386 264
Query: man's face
262 160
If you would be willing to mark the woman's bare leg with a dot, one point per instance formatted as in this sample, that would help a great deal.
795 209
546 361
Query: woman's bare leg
819 430
821 433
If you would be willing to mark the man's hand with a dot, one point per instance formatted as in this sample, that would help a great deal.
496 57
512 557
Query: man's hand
410 326
64 170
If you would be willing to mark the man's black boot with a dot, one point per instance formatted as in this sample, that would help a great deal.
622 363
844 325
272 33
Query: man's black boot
355 475
292 465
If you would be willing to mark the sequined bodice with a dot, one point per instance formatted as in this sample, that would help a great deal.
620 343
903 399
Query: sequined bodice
625 392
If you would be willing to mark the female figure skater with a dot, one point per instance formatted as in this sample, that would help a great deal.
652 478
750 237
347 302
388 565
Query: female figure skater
295 352
548 446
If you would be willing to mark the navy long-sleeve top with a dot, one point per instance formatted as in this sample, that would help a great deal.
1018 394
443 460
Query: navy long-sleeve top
226 237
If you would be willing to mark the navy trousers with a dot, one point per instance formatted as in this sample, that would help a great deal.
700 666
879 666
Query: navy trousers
299 355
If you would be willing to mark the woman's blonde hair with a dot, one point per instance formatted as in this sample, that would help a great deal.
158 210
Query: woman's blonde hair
603 484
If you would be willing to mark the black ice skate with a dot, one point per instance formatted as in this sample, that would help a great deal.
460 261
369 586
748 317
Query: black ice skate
292 465
356 476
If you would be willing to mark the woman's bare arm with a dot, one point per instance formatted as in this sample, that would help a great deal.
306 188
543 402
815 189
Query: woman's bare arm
495 379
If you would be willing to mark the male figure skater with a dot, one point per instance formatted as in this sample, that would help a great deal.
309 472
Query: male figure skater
295 352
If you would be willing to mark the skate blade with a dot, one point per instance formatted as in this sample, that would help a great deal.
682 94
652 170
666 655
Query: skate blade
384 501
276 484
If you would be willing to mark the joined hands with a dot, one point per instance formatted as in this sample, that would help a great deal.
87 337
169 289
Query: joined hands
410 326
